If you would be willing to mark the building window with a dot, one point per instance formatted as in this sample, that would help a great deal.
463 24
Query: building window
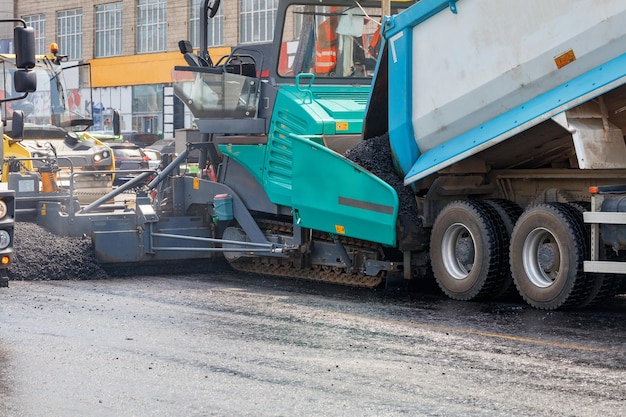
38 22
151 26
215 29
70 33
148 109
257 20
108 30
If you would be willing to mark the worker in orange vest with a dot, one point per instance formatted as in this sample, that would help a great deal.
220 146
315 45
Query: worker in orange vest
327 44
374 45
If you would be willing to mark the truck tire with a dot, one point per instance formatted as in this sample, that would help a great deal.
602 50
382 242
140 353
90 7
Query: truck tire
547 255
467 248
509 212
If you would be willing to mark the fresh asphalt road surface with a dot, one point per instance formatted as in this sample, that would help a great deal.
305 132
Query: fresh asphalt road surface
231 344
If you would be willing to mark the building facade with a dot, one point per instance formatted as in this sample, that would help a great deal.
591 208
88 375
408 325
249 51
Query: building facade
132 47
6 29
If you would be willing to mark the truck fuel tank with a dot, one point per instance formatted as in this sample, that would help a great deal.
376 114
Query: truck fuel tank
614 234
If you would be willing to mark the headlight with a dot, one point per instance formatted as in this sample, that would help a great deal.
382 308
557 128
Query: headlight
101 156
3 209
5 239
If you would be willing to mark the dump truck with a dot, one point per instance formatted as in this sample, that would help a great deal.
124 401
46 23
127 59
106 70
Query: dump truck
51 155
23 82
477 141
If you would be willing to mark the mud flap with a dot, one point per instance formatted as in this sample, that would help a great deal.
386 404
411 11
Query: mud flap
394 281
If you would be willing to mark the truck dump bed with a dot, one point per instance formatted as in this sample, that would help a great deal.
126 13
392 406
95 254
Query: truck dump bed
478 72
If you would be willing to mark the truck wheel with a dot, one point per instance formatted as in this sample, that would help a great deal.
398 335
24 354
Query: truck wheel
547 255
466 250
509 212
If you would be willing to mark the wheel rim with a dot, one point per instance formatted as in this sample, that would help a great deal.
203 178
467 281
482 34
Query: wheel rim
458 251
541 257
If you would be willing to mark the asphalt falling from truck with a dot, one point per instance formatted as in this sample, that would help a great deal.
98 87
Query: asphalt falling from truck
374 154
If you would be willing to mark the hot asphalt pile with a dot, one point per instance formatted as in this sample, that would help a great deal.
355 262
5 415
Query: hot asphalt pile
41 255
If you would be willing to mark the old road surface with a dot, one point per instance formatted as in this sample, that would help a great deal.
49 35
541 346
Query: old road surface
229 344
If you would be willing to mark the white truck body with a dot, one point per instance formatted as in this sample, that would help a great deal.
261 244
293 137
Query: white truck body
485 72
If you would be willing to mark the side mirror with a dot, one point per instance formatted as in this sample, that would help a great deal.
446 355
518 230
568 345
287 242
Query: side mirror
24 38
213 8
25 81
17 123
117 123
